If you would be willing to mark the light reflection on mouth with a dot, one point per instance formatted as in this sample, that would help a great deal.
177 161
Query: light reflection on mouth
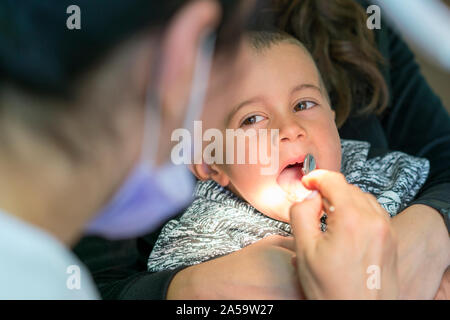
289 181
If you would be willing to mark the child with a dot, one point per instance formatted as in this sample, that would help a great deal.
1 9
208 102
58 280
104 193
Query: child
234 204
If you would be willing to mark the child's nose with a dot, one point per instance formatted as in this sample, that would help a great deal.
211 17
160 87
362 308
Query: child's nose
291 131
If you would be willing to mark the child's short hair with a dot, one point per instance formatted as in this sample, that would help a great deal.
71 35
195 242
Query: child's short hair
260 40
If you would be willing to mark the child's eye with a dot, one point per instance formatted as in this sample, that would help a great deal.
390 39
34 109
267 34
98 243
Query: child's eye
304 105
252 120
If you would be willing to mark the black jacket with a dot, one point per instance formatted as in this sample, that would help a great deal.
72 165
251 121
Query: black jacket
415 122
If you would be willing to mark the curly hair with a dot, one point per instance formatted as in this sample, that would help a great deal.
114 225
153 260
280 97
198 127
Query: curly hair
344 49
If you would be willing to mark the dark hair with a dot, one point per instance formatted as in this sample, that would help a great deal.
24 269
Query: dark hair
260 40
344 49
42 62
38 52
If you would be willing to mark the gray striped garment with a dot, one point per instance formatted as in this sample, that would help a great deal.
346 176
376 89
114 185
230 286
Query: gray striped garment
218 222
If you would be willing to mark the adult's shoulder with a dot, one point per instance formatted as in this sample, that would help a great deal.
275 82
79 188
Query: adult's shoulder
35 265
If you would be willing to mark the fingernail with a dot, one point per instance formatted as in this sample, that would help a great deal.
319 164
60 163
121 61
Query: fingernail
311 195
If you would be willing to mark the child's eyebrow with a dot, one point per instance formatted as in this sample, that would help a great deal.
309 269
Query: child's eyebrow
303 86
240 105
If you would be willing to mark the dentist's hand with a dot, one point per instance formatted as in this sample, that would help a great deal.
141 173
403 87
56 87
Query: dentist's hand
335 264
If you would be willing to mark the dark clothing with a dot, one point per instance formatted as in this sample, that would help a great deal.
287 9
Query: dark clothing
415 122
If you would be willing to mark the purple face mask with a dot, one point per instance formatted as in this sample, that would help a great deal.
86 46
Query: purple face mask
150 195
144 202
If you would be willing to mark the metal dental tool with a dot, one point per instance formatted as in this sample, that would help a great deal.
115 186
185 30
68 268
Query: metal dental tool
309 164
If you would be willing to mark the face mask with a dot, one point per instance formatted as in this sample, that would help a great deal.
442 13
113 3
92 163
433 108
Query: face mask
150 194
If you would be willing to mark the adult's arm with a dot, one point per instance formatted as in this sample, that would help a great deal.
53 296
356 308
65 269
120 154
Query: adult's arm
417 123
423 251
262 270
119 268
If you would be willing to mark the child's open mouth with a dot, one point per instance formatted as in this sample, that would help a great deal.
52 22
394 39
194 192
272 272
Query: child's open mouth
290 178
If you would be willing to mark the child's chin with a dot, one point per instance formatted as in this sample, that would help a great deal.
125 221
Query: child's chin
282 213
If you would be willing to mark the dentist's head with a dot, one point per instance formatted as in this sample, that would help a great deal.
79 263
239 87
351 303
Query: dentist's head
86 114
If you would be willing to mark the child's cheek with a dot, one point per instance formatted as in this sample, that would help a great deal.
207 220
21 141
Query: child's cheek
327 142
246 181
337 154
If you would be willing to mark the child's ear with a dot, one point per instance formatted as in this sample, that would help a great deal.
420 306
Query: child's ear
205 171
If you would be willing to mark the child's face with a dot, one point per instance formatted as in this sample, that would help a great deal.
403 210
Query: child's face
280 89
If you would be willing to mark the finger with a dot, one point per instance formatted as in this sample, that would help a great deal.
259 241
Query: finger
331 185
305 221
288 243
327 206
281 241
376 206
294 261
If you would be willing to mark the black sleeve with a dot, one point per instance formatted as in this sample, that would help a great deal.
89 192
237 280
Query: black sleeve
119 267
417 123
140 286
